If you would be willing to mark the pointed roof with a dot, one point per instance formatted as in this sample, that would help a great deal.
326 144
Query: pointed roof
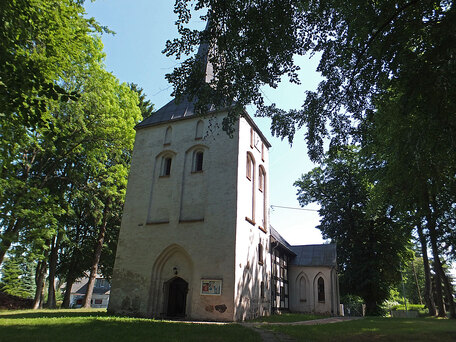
184 108
171 111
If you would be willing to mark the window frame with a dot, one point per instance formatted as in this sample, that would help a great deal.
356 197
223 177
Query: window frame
166 165
260 254
168 136
321 290
198 164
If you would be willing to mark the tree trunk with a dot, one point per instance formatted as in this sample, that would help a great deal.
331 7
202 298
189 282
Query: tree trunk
67 296
428 293
39 281
52 269
416 282
96 257
441 277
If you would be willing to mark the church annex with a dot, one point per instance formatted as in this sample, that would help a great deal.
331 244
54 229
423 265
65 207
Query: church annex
195 239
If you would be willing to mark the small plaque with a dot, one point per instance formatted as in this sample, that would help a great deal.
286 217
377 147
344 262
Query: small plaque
211 287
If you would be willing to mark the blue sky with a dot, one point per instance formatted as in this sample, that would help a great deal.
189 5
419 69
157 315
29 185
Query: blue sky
133 54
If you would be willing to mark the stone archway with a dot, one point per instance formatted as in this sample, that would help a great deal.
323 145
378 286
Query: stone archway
176 294
173 263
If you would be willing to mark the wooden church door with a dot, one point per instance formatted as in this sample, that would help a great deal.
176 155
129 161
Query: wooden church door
177 297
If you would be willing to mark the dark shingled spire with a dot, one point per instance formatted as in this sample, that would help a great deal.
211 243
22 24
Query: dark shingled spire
185 108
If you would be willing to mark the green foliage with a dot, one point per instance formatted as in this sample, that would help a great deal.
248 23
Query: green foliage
410 283
67 134
416 307
365 47
144 105
371 242
17 277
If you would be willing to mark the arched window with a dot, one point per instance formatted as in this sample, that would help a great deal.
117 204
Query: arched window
321 290
262 201
261 177
198 157
302 289
168 134
166 166
250 173
199 130
250 166
251 137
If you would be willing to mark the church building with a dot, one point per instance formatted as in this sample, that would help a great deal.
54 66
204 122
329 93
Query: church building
195 239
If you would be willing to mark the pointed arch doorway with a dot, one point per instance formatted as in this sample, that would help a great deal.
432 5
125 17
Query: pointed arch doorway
176 293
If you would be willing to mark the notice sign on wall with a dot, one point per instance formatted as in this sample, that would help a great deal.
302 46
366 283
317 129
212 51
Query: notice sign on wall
211 287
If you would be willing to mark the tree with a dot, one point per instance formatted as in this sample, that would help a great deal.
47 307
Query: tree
40 41
364 47
144 105
17 278
418 168
371 241
69 135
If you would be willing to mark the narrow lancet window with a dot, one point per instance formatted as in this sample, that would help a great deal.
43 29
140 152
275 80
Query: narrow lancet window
321 290
168 134
199 130
198 158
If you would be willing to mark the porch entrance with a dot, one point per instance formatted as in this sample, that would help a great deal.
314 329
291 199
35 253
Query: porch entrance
177 297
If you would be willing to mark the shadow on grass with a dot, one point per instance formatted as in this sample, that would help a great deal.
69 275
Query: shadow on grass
375 329
52 313
115 329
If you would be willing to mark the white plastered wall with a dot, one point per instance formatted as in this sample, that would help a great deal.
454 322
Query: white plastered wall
249 273
307 300
152 244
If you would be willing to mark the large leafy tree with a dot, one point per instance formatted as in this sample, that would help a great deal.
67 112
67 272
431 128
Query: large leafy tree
40 41
371 242
66 145
364 47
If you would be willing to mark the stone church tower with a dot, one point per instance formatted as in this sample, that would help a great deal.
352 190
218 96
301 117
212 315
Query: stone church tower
194 236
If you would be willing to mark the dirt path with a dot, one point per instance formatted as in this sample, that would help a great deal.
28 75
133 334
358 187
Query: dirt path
269 336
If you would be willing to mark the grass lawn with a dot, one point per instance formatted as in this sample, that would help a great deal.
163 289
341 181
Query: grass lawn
287 317
95 325
375 329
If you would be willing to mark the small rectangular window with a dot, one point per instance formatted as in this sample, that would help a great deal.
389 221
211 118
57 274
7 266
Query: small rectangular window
262 290
98 301
260 254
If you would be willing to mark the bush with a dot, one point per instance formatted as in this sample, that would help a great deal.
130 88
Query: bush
410 307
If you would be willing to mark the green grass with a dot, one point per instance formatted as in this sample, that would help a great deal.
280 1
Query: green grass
374 329
98 326
287 317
